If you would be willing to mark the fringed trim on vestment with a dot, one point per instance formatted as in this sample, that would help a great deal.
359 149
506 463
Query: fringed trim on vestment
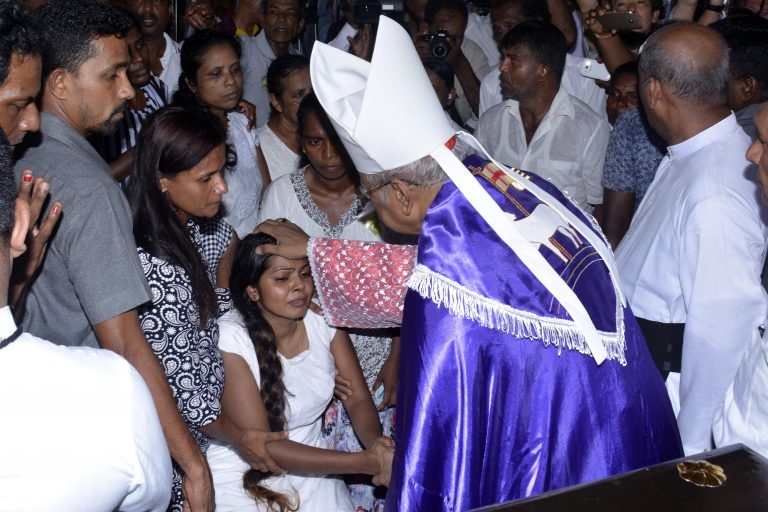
561 333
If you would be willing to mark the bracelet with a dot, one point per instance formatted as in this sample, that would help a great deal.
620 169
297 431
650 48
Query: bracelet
604 36
715 8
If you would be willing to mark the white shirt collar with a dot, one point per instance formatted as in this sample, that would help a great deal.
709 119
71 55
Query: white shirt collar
7 323
561 106
715 133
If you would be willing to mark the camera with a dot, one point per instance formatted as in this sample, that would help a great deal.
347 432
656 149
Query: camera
439 47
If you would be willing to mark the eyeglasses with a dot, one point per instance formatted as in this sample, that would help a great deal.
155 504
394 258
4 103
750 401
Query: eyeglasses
366 194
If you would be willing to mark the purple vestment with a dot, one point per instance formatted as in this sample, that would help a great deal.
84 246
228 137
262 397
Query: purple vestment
499 397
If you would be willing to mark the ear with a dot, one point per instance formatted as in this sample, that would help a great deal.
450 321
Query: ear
189 84
655 94
252 293
749 88
402 195
543 72
57 84
163 183
301 24
423 27
275 103
20 228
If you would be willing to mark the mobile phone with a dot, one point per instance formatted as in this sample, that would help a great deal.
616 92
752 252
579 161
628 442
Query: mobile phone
590 68
619 21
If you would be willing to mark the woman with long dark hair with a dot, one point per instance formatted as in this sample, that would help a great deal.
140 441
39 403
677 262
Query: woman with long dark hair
185 250
280 359
212 79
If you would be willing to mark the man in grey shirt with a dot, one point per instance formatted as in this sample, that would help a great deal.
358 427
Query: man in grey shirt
91 281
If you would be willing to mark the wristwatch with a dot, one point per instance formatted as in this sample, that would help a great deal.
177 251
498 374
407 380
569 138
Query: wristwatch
715 8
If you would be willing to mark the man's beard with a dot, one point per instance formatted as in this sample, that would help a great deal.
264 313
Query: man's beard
108 126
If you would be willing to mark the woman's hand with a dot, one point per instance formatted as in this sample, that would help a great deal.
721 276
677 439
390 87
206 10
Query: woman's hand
389 376
248 109
384 449
343 387
292 242
252 446
34 192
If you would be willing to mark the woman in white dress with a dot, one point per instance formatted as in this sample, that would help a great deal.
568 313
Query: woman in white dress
212 78
323 198
287 83
280 360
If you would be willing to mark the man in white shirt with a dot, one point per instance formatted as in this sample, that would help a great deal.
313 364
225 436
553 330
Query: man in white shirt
507 14
744 414
281 22
81 433
540 127
164 52
690 263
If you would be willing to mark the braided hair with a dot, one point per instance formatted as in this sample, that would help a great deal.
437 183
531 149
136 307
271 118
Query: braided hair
250 267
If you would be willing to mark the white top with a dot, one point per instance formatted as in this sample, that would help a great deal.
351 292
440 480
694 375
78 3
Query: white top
241 202
309 380
171 62
80 432
281 159
480 31
568 147
288 197
479 63
743 417
572 81
693 254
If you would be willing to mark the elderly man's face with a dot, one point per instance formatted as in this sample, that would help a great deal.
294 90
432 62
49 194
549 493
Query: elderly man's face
758 151
18 112
282 20
505 18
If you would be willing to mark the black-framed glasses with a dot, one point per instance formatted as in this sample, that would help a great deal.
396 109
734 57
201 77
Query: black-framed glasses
366 194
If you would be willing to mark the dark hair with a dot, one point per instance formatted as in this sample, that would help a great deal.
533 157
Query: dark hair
543 40
532 9
311 105
441 69
69 28
628 68
248 269
454 6
193 52
8 190
299 3
278 72
19 33
747 40
172 140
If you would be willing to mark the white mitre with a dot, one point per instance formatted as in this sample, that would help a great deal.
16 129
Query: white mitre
387 115
385 111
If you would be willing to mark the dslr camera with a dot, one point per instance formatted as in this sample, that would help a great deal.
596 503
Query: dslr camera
439 47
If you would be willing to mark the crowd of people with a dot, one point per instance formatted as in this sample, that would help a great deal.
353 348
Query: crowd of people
246 270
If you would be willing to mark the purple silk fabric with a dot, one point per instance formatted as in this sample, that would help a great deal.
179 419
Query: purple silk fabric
485 417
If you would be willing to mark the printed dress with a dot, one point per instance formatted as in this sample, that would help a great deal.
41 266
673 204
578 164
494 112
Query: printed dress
188 352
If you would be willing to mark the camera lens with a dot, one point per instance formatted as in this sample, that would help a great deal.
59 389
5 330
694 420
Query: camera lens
440 50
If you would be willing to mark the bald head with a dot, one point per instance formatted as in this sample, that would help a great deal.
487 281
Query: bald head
690 60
